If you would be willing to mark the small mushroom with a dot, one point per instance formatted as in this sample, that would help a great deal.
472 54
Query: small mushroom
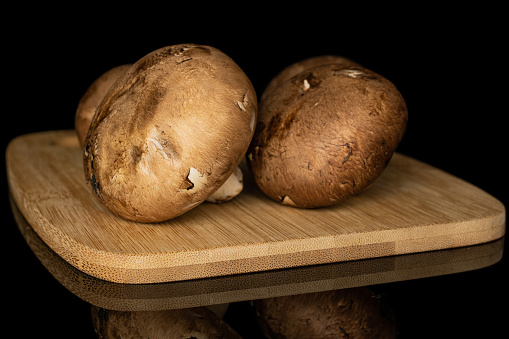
169 132
349 313
197 322
325 134
92 98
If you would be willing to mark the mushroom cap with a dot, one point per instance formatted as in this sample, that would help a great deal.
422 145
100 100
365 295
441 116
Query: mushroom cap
92 98
325 135
300 66
169 132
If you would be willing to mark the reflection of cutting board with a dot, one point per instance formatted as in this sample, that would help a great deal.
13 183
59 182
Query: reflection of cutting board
412 207
258 285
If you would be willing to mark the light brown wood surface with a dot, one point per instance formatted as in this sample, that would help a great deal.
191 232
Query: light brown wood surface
411 208
258 285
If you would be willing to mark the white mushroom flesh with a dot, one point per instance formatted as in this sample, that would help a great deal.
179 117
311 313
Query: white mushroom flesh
230 189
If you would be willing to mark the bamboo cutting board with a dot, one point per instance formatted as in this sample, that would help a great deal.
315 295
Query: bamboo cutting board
411 208
258 285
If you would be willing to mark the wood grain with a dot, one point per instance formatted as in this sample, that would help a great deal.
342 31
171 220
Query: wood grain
258 285
412 207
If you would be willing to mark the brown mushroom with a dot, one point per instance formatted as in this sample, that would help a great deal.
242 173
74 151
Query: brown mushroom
170 132
349 313
92 98
325 135
198 322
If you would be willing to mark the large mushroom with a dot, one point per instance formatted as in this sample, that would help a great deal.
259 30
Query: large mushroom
169 132
325 134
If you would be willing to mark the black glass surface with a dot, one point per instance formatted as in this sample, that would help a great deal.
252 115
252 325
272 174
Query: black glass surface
448 68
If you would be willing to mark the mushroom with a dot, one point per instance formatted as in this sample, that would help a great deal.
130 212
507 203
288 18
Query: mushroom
349 313
197 322
169 132
325 134
92 98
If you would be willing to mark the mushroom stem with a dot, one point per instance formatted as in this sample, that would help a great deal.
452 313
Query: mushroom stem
230 189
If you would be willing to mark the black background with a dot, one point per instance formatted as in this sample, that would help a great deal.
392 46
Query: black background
449 64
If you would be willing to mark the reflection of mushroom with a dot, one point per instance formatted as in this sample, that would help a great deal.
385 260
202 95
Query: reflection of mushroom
325 134
350 313
92 98
198 322
170 132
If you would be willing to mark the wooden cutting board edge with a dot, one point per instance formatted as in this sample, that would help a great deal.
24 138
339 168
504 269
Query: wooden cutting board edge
257 285
107 268
124 268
